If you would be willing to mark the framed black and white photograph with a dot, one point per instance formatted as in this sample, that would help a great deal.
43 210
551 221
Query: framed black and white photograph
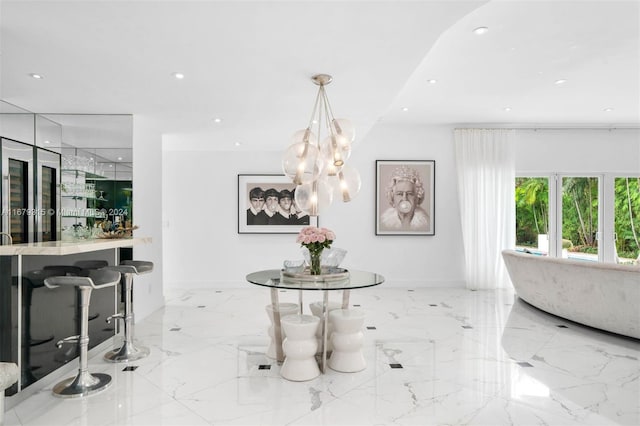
405 197
266 205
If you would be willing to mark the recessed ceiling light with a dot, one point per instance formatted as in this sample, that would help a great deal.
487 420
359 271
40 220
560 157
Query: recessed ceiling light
560 81
217 120
608 109
507 109
237 144
36 76
47 141
178 75
405 109
480 30
110 165
432 81
119 158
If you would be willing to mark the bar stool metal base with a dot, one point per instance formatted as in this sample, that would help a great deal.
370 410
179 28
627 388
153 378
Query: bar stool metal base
84 384
128 352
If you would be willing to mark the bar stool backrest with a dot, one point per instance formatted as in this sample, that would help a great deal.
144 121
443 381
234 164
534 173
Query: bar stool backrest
140 266
91 264
65 269
98 278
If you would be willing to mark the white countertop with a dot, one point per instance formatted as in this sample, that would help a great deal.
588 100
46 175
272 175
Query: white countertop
57 248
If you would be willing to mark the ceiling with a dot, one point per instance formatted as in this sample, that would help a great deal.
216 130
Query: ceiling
249 63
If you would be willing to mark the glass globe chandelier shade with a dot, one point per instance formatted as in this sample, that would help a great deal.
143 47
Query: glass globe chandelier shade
335 150
319 169
304 135
302 162
314 198
344 127
330 169
346 183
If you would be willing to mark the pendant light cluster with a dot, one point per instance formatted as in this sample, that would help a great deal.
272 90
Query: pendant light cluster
319 169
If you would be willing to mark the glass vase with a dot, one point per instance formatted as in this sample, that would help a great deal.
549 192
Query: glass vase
314 264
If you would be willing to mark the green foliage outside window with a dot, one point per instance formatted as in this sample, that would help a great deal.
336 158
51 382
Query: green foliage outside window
580 213
627 217
532 210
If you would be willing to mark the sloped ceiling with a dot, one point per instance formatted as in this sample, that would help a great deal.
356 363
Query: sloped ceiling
250 63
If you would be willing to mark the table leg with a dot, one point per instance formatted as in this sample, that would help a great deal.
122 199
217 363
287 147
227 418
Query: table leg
325 327
300 300
277 327
345 299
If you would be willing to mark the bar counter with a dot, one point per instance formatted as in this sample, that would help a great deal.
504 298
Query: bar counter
59 248
34 317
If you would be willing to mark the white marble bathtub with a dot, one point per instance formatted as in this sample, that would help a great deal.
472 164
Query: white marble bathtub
601 295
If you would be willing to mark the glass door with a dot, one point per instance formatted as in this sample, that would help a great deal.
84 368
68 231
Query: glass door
18 193
579 206
627 219
532 215
17 190
48 195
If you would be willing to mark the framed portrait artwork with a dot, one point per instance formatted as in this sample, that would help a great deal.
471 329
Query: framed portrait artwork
266 205
405 197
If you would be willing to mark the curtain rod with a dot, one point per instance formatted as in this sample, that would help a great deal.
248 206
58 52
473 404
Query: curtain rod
535 129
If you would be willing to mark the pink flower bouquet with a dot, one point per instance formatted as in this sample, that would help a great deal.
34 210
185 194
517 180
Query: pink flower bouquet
315 240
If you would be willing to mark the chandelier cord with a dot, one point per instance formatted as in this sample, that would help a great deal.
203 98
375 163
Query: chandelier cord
315 108
320 92
327 106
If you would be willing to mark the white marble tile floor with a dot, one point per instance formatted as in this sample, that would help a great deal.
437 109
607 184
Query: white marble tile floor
435 357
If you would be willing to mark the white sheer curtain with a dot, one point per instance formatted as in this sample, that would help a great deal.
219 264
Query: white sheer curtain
486 176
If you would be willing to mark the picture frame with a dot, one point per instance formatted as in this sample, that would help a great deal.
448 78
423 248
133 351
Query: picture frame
265 223
411 209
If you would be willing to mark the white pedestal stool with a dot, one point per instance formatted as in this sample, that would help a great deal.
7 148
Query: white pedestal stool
347 338
316 310
84 383
284 309
300 348
8 376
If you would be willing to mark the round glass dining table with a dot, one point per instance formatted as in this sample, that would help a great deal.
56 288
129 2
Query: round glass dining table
275 280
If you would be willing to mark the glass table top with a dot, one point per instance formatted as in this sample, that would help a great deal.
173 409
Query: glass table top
273 278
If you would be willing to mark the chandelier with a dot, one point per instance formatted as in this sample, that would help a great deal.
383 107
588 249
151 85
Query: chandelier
319 169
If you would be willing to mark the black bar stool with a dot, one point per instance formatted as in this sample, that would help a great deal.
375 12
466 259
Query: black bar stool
91 264
128 351
84 383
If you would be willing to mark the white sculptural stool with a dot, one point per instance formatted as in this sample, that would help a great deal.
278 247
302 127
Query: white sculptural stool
8 376
347 339
285 309
300 348
316 310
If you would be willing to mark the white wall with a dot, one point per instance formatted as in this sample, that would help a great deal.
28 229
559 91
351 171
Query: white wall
578 150
202 246
147 205
203 249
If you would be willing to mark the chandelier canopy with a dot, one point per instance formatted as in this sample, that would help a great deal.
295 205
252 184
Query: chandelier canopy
319 169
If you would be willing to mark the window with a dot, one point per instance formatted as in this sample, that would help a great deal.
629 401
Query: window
627 219
593 218
532 214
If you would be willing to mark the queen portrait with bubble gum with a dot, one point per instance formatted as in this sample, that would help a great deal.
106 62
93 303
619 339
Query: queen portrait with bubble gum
405 193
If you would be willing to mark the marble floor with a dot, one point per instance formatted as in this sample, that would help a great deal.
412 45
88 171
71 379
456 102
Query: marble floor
465 357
